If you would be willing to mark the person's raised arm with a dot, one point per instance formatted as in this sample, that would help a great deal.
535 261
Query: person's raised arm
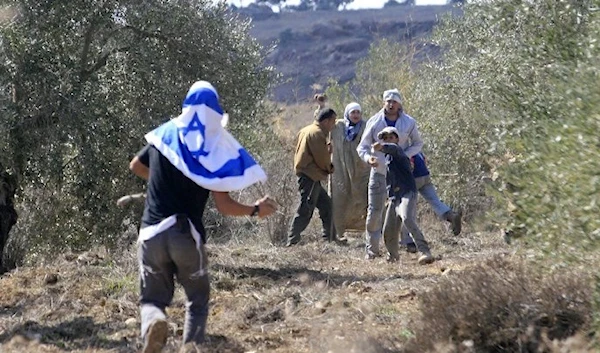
230 207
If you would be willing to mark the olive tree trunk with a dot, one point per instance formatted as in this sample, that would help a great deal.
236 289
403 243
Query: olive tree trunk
8 215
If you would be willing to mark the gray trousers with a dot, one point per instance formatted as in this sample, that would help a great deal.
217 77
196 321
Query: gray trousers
429 193
377 195
401 212
312 195
174 252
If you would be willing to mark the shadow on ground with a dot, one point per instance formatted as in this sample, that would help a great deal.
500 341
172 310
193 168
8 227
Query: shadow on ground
79 333
284 274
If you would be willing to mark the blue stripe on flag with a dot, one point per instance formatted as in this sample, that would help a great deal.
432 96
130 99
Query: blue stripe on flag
203 95
232 168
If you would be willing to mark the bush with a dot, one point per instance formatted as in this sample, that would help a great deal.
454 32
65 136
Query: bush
531 89
508 112
504 306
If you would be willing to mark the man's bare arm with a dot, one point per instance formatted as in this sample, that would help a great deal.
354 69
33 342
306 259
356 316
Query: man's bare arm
230 207
138 168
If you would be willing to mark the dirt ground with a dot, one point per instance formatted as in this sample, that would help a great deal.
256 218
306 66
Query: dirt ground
316 297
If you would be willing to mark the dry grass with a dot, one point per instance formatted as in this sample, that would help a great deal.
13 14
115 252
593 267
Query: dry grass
505 305
292 118
313 298
316 297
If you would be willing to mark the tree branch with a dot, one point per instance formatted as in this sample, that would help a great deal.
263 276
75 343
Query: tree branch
147 34
87 41
101 61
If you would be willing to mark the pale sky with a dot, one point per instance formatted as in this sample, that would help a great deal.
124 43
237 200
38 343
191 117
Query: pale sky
356 4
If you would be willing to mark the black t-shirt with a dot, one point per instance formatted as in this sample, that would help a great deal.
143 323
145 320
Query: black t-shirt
400 179
170 192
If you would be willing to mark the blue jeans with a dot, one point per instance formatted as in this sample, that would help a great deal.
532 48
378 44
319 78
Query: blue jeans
429 193
377 196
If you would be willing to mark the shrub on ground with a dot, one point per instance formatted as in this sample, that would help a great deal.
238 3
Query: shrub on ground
503 306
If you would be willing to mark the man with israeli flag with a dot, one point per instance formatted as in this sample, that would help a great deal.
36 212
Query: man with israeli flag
185 159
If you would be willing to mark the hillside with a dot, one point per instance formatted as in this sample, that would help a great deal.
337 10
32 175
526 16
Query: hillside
314 298
310 47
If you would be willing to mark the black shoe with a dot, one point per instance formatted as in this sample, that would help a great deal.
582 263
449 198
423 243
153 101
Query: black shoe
291 243
455 219
411 248
457 224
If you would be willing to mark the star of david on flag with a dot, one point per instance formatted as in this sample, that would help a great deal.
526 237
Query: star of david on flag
197 144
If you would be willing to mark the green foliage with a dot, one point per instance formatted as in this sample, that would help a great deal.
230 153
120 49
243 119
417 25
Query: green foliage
117 286
387 66
539 84
306 5
509 114
454 157
84 80
508 111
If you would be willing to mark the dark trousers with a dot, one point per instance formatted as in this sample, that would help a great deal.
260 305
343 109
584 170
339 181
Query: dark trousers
174 252
312 194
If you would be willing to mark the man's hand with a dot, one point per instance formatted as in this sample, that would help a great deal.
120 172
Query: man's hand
128 198
377 146
373 162
266 206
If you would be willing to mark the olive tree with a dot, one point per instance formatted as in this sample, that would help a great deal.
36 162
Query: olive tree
536 84
82 82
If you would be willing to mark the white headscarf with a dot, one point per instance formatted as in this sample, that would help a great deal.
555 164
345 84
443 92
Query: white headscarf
351 130
197 144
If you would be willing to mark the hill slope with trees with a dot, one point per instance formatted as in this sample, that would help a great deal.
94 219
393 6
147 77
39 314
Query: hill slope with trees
310 47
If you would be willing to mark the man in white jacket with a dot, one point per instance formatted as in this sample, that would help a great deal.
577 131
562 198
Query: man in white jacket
409 140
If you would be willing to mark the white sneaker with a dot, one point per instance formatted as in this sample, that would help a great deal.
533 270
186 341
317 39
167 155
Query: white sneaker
425 259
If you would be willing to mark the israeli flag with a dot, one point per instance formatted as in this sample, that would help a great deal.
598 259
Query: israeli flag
197 144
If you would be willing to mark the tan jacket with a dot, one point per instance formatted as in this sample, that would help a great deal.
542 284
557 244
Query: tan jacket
312 157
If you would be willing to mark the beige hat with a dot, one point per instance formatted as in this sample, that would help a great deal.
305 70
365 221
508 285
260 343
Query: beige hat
386 131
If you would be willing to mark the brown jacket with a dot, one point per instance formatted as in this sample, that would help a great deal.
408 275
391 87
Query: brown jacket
312 157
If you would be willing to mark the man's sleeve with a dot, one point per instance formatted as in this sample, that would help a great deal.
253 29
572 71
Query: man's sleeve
416 142
317 145
364 147
144 155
